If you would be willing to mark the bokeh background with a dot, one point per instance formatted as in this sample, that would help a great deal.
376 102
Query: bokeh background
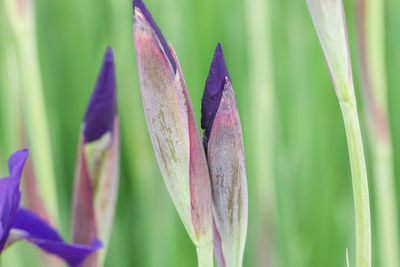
300 194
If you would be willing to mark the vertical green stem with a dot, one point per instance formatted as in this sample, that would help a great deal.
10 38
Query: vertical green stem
371 47
261 90
386 212
36 122
205 256
360 182
22 22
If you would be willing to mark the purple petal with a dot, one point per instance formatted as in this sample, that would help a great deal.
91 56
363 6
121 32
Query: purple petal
213 91
44 236
140 5
99 117
16 163
10 195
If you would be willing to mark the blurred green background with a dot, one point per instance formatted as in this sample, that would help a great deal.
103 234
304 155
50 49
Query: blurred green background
300 194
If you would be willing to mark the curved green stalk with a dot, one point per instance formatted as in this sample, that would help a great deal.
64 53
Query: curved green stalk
360 183
330 23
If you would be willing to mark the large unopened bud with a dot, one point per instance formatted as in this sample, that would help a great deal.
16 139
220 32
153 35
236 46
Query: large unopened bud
226 161
172 127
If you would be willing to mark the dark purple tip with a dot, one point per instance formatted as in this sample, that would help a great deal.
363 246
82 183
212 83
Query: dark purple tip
99 117
139 4
213 91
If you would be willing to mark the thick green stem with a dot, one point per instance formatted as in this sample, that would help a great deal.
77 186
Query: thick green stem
205 256
360 183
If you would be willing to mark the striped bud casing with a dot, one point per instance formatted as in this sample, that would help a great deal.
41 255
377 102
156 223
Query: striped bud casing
226 161
172 127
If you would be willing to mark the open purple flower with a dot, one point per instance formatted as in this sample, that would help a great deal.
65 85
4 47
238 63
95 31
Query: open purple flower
226 161
17 223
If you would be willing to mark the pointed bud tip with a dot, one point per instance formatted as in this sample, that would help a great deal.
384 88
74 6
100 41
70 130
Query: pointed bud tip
99 117
213 91
146 13
109 55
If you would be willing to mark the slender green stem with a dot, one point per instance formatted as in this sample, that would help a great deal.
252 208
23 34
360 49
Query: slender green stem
386 203
37 123
372 54
205 256
360 183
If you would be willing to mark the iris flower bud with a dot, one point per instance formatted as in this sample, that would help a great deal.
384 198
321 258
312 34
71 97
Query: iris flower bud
97 170
173 130
226 161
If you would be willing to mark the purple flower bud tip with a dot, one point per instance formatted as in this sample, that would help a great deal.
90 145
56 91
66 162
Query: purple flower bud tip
213 91
140 5
99 117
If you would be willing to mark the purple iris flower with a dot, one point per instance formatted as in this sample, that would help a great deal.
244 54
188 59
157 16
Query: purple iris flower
17 223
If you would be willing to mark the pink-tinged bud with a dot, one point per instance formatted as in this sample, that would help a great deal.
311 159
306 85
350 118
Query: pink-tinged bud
172 127
105 197
97 170
84 219
200 187
95 197
226 161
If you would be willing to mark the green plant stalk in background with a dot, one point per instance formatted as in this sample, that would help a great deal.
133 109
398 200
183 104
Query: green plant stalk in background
22 21
11 105
261 88
371 48
360 182
330 23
